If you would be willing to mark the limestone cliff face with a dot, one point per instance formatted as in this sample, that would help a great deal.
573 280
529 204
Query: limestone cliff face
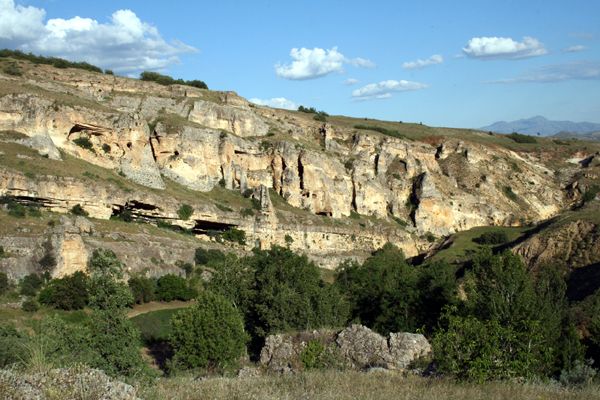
153 134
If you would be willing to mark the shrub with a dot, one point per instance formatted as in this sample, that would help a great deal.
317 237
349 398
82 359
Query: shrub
15 209
12 345
142 289
493 237
106 148
109 72
68 293
311 355
30 305
84 143
591 193
247 212
172 287
218 340
4 283
234 235
185 212
30 284
508 192
204 256
167 80
12 69
519 138
78 210
288 239
320 117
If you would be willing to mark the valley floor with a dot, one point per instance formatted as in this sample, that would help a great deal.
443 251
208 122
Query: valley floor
325 385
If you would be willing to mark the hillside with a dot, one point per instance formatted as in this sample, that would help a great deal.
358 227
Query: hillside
338 189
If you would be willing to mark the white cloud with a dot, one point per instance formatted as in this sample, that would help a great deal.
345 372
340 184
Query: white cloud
18 24
503 48
384 89
574 49
579 70
317 62
124 43
276 102
362 63
434 59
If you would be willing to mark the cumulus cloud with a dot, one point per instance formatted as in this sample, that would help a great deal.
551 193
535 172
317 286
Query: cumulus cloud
124 43
351 81
503 48
417 64
575 49
579 70
384 89
276 102
317 62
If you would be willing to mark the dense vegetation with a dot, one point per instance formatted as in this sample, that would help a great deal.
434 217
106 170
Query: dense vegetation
488 318
520 138
384 131
167 80
54 61
318 115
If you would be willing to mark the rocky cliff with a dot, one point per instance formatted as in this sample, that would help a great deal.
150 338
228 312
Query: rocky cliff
336 190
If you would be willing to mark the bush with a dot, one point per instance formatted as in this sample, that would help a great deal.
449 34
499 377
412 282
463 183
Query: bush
172 287
109 72
519 138
508 192
493 237
311 355
30 284
30 305
591 193
78 210
204 256
167 80
12 69
218 338
234 235
68 293
185 212
106 148
4 283
142 289
56 62
84 143
12 345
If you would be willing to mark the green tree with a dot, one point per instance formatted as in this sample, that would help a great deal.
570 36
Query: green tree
68 293
503 329
208 334
142 289
115 338
206 256
288 294
172 287
383 291
31 284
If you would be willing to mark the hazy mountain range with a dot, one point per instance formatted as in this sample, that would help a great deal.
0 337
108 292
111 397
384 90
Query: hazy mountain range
543 126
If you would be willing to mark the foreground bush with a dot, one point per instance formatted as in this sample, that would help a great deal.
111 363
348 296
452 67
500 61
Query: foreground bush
209 334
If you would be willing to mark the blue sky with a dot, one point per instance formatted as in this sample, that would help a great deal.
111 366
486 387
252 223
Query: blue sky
443 63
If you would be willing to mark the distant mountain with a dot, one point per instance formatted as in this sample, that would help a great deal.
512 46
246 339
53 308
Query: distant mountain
541 125
582 136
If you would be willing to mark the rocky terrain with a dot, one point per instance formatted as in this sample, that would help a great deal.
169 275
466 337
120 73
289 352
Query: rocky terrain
333 190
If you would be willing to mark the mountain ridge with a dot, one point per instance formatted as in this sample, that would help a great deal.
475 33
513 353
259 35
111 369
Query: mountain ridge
540 125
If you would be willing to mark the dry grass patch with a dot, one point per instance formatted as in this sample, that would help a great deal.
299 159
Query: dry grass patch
329 385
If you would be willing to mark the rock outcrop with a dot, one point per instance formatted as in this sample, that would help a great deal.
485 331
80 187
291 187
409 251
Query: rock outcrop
355 347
